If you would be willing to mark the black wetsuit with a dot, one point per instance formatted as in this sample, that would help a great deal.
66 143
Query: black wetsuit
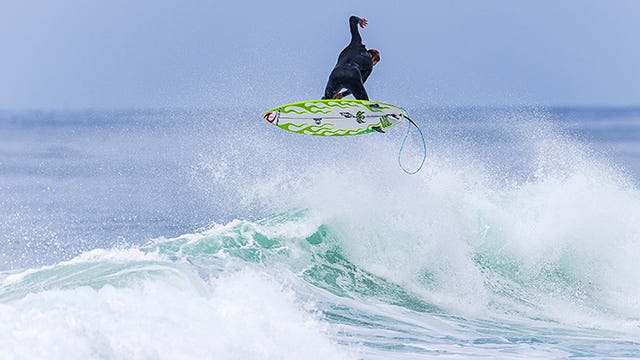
353 68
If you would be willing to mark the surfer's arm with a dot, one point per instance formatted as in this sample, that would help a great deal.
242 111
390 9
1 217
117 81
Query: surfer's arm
354 21
365 76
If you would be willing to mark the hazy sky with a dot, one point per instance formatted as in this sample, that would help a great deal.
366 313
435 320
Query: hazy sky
154 53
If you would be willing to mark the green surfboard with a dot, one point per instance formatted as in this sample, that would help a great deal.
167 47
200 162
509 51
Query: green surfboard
344 117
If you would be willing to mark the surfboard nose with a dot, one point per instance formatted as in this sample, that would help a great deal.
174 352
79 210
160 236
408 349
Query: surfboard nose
271 116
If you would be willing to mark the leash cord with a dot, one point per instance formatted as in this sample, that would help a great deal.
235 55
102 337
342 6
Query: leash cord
404 140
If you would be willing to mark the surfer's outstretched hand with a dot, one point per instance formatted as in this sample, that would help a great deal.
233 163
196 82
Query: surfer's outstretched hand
363 22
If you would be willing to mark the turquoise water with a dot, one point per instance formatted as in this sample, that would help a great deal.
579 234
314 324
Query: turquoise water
175 234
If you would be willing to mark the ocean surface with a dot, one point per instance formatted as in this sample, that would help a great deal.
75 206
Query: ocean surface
179 234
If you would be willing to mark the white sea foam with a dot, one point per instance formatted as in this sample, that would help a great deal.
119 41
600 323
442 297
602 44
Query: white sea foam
246 315
566 232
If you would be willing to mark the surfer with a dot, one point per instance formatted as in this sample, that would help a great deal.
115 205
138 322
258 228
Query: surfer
354 66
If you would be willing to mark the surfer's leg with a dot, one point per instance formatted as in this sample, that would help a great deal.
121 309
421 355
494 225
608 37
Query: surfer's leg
334 84
331 90
357 89
353 81
359 92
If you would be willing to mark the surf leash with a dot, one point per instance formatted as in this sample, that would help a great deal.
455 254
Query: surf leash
424 147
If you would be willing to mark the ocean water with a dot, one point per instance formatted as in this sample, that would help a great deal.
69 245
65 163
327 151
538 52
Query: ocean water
177 234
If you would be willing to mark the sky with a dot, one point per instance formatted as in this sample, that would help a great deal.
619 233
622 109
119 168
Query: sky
78 54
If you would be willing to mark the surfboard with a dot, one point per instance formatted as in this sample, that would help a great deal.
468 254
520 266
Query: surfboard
344 117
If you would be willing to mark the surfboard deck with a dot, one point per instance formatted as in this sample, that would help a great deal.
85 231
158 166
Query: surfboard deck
344 117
